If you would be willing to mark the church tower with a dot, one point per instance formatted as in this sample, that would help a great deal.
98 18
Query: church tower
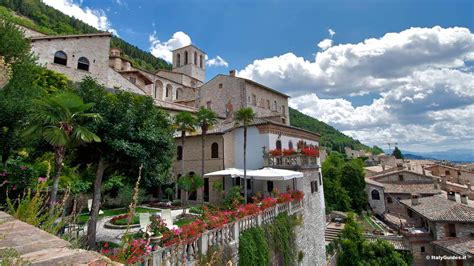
191 61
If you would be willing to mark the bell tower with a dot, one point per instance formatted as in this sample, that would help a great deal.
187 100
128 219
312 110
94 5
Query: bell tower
191 61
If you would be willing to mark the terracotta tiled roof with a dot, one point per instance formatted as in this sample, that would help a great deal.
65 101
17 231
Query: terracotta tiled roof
460 245
437 208
411 188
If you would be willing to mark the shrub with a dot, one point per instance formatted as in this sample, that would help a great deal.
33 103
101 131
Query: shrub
196 210
233 198
157 225
253 248
126 193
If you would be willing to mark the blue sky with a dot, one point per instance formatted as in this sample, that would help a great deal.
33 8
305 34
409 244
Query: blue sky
387 73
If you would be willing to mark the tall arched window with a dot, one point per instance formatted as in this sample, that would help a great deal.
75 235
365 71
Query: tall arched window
83 64
185 57
178 60
215 150
290 144
60 58
278 144
159 90
179 153
169 91
195 58
179 93
200 61
375 195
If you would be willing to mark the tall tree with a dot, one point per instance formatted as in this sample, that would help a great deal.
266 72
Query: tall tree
397 153
184 122
59 120
134 132
245 117
206 119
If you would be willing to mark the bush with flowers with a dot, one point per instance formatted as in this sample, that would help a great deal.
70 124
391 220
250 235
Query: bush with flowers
297 195
268 202
276 152
131 251
310 151
157 226
284 197
288 152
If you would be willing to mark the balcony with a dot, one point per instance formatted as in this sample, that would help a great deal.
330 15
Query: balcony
305 158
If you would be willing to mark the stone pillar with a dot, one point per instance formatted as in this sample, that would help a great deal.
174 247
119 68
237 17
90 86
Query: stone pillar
236 232
202 244
259 219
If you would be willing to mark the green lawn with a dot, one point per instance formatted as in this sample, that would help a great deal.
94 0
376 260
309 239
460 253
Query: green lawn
368 225
182 222
84 217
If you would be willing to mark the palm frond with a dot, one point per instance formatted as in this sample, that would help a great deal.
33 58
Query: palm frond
55 136
85 135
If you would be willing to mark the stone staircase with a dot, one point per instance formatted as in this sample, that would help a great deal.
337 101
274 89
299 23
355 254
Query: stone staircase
332 232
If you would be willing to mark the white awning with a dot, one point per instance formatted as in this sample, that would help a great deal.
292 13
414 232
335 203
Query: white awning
268 173
233 172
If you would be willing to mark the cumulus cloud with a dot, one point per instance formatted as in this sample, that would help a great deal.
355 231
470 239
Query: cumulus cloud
325 44
94 17
421 76
217 62
162 49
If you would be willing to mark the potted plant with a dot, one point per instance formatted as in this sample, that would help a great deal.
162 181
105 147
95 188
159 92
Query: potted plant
157 227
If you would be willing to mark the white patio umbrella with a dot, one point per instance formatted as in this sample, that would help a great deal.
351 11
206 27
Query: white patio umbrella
233 172
272 174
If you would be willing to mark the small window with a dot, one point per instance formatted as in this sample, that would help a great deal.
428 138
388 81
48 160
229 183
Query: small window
254 100
389 200
283 110
447 172
320 179
249 184
275 106
60 58
133 80
178 60
283 121
290 145
400 178
220 85
186 57
83 64
179 153
209 105
269 186
268 104
410 213
422 249
215 150
375 195
200 61
278 144
195 58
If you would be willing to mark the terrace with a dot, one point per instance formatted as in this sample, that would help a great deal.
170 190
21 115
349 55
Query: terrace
302 158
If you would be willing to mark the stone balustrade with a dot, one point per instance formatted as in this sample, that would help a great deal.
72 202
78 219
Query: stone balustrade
188 253
294 161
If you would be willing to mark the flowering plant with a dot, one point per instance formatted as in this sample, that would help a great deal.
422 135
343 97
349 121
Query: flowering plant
297 195
285 197
276 152
309 151
247 209
157 225
118 217
132 251
288 152
215 220
268 202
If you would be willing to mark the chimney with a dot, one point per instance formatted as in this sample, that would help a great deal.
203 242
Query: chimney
464 199
437 184
452 195
383 167
415 199
232 73
468 185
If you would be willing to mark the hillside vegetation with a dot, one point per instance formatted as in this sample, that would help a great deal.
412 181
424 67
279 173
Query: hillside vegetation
330 137
38 16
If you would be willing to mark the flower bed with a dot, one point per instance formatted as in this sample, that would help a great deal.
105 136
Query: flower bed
121 222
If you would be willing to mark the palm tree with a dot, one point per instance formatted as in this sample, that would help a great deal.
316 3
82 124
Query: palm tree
183 122
59 120
245 116
206 119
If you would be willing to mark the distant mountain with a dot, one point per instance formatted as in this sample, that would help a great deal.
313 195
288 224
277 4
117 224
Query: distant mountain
454 155
43 18
330 137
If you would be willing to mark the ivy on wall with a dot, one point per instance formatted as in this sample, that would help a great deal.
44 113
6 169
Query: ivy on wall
279 237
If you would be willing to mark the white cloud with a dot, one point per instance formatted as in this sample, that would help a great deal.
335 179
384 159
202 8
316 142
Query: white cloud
94 17
163 49
217 62
421 78
331 32
325 44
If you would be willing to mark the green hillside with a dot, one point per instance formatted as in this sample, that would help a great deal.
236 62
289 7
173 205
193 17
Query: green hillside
330 137
34 14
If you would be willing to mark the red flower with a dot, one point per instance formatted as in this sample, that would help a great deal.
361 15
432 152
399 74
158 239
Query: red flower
309 151
285 197
276 152
268 202
297 195
288 152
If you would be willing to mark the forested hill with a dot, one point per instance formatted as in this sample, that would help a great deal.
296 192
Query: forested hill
330 137
43 18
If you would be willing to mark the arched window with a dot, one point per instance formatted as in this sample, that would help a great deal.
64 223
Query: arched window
375 195
83 64
179 93
290 145
200 61
195 58
179 153
278 144
60 58
178 60
185 57
159 89
169 90
215 150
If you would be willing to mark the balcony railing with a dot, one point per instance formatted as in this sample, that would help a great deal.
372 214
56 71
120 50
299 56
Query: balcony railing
293 161
189 253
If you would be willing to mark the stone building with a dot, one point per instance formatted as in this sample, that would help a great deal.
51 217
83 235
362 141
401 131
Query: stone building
454 174
442 226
